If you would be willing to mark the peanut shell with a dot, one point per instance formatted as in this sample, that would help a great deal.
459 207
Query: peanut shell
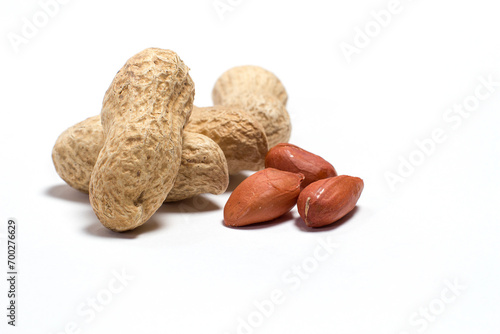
143 115
248 78
203 164
241 138
260 93
268 110
203 169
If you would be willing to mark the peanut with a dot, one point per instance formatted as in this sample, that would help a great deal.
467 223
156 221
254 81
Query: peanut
325 201
76 150
260 93
143 115
241 138
294 159
249 78
263 196
203 169
203 165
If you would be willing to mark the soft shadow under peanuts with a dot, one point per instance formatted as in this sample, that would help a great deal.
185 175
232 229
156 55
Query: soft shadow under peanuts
299 222
65 192
284 218
96 229
194 204
235 180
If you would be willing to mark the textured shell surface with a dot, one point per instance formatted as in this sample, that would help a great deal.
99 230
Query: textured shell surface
203 166
203 169
269 111
259 92
240 136
143 115
76 150
248 78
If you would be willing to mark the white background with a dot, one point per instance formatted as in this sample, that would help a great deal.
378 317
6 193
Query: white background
193 275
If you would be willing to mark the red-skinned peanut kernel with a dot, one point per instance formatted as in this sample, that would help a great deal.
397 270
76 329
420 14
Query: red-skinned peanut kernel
294 159
325 201
263 196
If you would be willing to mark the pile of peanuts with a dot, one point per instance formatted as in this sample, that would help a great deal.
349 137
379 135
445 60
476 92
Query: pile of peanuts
150 145
293 176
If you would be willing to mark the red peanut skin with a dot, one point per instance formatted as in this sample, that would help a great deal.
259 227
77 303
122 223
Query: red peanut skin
294 159
325 201
263 196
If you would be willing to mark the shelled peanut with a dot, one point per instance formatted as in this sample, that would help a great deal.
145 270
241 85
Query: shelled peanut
323 197
297 160
263 196
326 201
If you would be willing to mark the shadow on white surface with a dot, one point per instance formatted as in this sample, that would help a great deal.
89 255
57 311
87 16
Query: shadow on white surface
234 181
198 203
65 192
304 228
286 217
98 230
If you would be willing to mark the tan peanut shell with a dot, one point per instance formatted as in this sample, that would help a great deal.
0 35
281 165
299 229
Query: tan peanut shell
76 150
203 168
269 111
143 115
241 138
248 78
263 196
260 93
203 164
